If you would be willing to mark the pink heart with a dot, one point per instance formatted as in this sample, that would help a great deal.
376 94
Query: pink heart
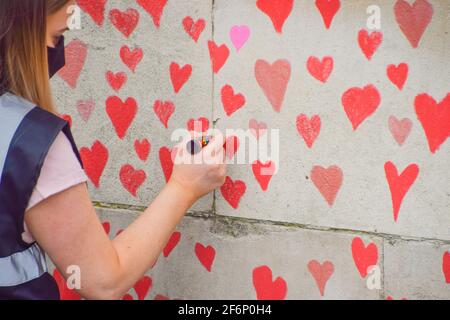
257 128
321 273
400 129
239 36
75 52
85 108
328 181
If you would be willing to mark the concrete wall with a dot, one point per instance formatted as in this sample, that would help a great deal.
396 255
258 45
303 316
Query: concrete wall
347 157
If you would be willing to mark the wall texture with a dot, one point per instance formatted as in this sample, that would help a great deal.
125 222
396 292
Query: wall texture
363 118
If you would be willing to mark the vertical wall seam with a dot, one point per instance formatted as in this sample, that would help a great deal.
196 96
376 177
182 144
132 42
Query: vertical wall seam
213 208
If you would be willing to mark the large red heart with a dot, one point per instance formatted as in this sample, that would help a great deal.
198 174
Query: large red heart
218 55
95 8
398 74
321 273
231 101
125 21
232 191
199 125
64 292
142 148
328 9
164 110
75 53
121 113
131 179
166 159
116 81
142 287
400 129
172 243
277 10
446 266
194 29
205 255
94 161
364 257
413 19
435 119
266 288
369 43
179 76
273 80
328 181
399 184
360 103
263 172
320 70
154 8
131 58
309 129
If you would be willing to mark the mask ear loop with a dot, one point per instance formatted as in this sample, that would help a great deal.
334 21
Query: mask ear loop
56 57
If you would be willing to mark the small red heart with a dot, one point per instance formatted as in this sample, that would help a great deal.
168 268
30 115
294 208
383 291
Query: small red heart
309 129
142 148
369 43
125 21
277 10
399 184
328 9
64 292
127 296
194 30
67 118
321 273
400 129
263 172
328 181
131 179
218 54
121 113
320 70
231 101
106 226
205 255
161 297
364 257
131 58
232 191
199 125
179 76
398 74
266 288
446 266
257 128
231 146
166 159
360 103
94 8
142 287
172 243
116 81
94 161
75 53
154 8
164 111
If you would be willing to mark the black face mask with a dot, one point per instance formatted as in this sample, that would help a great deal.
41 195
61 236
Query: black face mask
56 58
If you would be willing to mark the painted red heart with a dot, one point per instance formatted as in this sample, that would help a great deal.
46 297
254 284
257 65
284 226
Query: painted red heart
398 74
435 119
161 297
446 266
309 129
257 128
142 148
232 191
321 273
131 178
266 288
369 43
231 101
164 110
263 172
231 146
121 113
154 8
273 80
194 29
328 181
64 292
172 243
94 8
364 257
179 76
400 129
218 54
125 21
94 161
277 10
360 103
106 226
85 108
75 53
320 69
116 80
166 159
199 125
413 19
205 255
127 296
67 118
399 184
131 58
328 9
142 287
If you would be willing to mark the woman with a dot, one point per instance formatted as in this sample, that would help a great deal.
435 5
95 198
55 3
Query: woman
44 201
